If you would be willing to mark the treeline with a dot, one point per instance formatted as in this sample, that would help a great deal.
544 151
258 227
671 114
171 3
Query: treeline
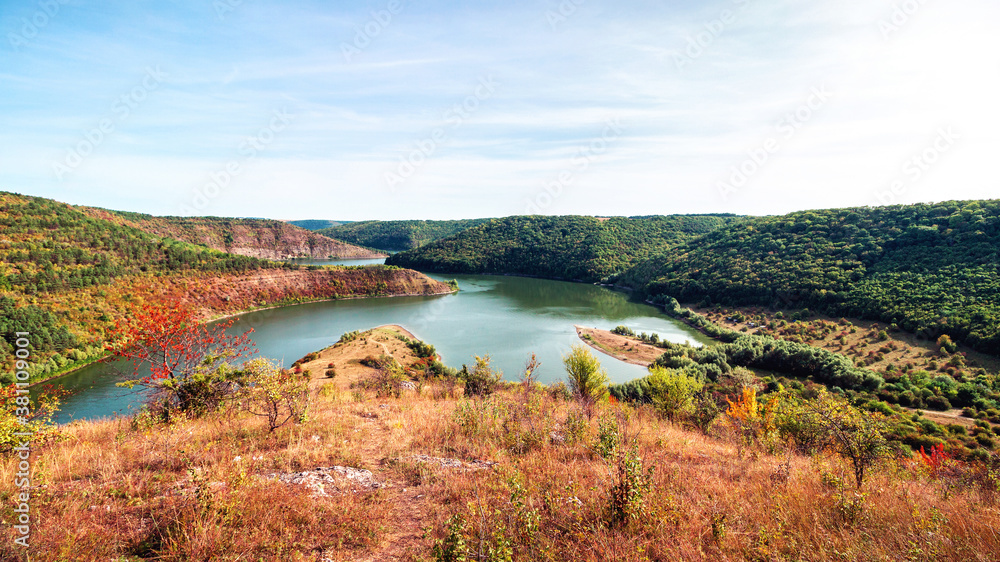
930 269
567 247
397 236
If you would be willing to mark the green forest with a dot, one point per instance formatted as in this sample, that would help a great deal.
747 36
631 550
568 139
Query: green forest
929 269
567 247
49 246
316 224
398 236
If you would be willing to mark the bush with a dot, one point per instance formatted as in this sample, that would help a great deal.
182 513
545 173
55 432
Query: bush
481 380
331 373
421 349
37 425
588 381
349 337
272 393
671 391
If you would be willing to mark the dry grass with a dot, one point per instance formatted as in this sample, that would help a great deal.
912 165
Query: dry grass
112 491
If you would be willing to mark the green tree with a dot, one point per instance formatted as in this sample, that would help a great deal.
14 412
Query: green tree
588 381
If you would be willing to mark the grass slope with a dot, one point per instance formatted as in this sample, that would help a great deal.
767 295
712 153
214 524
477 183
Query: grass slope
204 489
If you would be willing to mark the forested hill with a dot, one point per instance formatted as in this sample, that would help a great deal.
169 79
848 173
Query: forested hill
259 238
315 224
397 236
568 247
66 275
47 246
932 269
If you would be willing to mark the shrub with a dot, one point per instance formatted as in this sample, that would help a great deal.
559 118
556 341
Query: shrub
349 337
672 390
421 349
632 483
482 379
331 373
588 381
269 392
36 426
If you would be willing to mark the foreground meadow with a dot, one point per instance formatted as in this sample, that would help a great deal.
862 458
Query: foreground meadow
524 473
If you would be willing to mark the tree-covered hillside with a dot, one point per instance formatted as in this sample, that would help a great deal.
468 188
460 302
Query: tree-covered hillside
259 238
316 224
47 246
931 269
397 236
569 247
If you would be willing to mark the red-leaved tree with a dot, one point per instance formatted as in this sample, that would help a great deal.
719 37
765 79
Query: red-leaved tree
187 360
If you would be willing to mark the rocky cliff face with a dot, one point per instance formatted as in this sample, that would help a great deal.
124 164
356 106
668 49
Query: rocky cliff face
259 238
225 294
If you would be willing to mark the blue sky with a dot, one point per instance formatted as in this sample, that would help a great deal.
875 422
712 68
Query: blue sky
406 109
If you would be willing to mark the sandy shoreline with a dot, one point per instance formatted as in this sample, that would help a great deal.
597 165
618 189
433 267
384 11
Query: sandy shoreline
622 348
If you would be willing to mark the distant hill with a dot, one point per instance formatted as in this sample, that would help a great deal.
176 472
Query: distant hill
931 269
260 238
316 224
397 236
568 247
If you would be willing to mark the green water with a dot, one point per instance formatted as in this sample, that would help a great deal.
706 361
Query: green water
506 317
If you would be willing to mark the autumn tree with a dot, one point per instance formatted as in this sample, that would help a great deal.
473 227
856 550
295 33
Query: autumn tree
183 356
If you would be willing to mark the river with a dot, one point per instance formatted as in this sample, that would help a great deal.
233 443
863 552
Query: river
506 317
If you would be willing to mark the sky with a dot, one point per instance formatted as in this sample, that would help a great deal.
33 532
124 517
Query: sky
404 109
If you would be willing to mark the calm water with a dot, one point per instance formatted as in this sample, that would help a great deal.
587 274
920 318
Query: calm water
507 317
